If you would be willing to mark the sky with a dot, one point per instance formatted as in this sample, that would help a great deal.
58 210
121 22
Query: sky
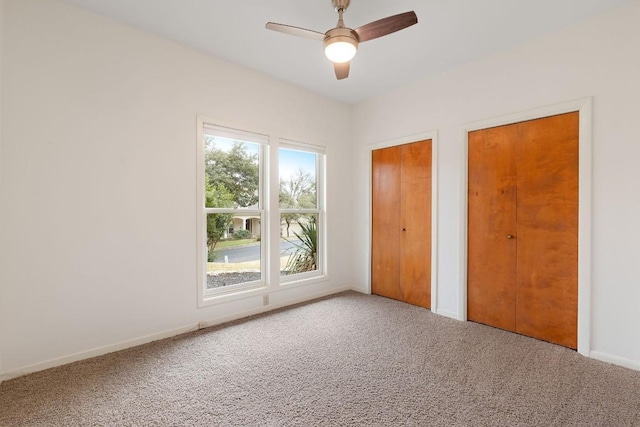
290 160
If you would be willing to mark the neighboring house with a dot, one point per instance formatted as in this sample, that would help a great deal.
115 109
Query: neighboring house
250 223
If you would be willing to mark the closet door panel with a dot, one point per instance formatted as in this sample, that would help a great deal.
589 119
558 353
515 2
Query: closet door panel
491 250
415 220
547 200
385 242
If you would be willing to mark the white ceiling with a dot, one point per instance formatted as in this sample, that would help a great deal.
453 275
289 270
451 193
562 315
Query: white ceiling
448 33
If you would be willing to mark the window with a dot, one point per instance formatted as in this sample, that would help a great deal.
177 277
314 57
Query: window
301 215
244 220
230 195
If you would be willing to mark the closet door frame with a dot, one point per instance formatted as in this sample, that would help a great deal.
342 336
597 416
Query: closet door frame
433 136
584 107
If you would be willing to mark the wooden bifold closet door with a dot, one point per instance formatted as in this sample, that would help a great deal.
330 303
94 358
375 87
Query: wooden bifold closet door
522 272
401 223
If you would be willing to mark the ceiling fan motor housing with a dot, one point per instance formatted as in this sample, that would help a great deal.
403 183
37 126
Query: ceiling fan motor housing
341 35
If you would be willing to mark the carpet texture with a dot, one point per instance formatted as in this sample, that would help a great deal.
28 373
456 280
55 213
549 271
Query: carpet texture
346 360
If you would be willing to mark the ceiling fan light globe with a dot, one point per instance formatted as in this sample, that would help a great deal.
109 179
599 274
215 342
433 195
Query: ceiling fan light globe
340 48
340 51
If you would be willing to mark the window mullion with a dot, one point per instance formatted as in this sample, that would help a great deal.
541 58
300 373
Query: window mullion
273 201
301 211
235 212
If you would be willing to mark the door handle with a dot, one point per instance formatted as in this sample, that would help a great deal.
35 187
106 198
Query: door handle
509 236
403 229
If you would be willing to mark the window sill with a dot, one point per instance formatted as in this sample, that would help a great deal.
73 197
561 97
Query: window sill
303 281
232 294
256 290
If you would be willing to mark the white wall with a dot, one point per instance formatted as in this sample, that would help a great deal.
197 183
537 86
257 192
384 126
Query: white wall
98 181
598 58
1 287
97 172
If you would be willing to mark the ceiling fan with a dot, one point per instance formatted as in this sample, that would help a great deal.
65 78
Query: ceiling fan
341 43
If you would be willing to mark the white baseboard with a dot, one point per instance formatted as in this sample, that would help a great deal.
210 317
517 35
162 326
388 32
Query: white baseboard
616 360
360 290
4 376
604 357
450 314
64 360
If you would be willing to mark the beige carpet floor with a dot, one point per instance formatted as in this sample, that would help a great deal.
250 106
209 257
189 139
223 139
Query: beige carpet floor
346 360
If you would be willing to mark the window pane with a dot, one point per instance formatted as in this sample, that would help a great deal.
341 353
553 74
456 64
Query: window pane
231 173
233 249
299 243
298 181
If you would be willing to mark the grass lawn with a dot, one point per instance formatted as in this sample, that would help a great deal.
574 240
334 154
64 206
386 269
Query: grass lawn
232 243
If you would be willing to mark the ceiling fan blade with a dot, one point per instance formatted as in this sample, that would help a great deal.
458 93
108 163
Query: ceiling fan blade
295 31
386 26
342 70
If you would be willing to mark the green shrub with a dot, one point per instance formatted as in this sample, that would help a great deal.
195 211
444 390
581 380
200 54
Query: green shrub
304 257
242 235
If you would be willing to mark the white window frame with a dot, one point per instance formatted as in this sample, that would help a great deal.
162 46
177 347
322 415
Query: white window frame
320 211
210 296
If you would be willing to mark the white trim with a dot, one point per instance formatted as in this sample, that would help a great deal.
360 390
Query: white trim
305 276
238 213
232 133
462 254
446 313
263 309
305 280
320 210
245 290
2 20
311 211
52 363
584 107
585 183
272 200
616 360
268 209
302 146
433 136
212 296
201 261
434 224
